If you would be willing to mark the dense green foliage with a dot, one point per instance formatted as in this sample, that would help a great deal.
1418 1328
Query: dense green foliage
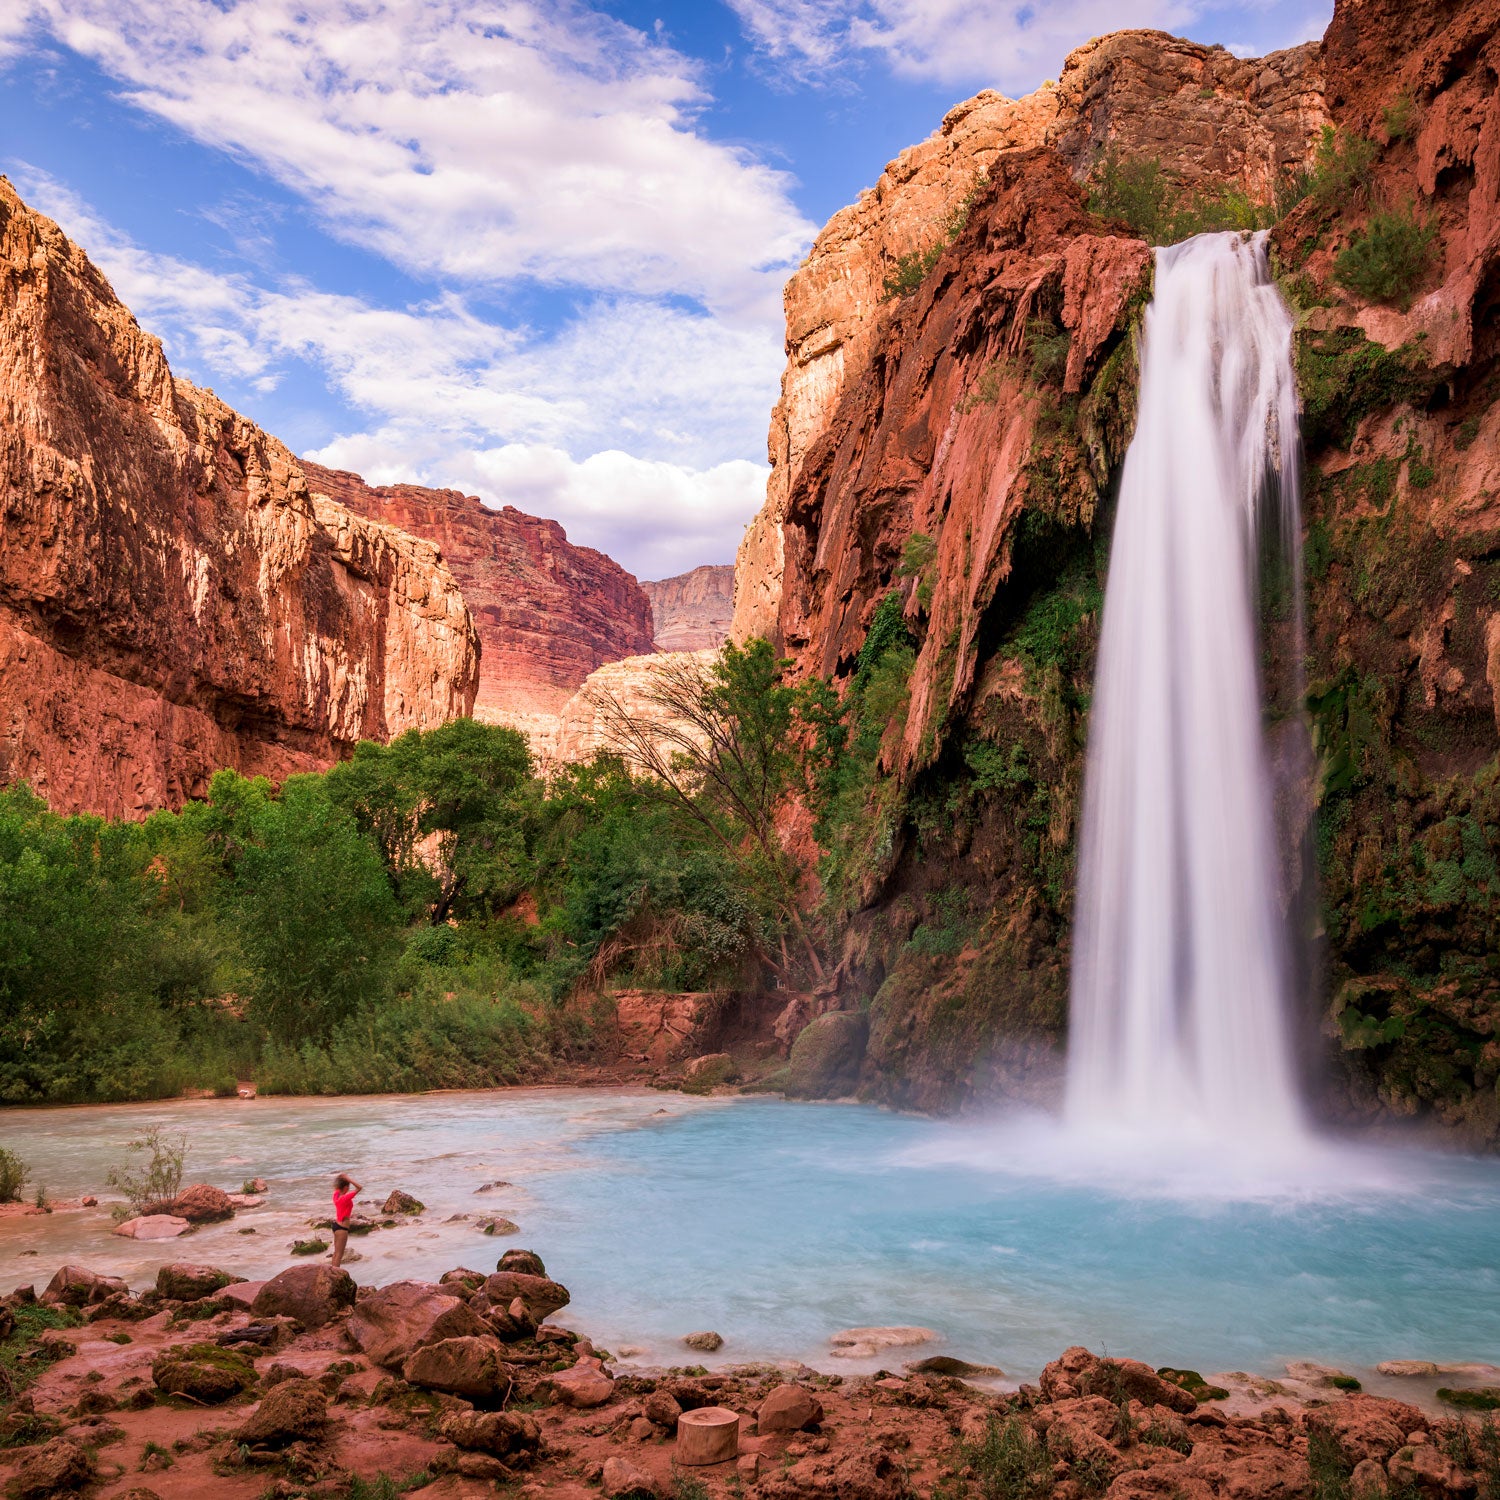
1388 259
1141 192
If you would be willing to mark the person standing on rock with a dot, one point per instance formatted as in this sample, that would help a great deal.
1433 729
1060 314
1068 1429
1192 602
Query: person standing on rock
344 1189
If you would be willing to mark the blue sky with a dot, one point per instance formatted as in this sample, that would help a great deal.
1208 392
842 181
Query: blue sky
533 249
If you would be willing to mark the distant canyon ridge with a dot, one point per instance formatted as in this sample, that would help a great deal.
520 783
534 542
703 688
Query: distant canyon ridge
179 592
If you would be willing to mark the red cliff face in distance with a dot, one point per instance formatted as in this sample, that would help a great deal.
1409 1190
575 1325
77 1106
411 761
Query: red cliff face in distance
548 612
692 611
173 598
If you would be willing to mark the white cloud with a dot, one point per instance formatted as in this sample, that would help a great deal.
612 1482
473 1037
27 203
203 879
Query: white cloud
468 140
1008 44
438 385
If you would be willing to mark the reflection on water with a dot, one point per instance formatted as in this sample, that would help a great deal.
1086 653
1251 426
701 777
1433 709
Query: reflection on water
778 1223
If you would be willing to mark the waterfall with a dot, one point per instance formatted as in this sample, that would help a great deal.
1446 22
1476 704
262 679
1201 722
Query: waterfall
1180 962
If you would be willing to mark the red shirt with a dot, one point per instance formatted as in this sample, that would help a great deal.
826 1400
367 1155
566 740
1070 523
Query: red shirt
343 1206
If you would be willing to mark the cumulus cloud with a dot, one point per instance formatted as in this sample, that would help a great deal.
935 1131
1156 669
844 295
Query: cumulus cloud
472 140
652 395
1009 44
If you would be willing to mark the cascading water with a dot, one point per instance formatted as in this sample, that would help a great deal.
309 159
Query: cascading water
1179 1016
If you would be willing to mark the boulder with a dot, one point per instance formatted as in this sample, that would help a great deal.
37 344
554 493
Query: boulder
202 1372
1367 1426
540 1295
201 1204
501 1433
1421 1466
527 1262
582 1387
389 1323
311 1294
499 1225
827 1055
153 1227
76 1286
1406 1367
1079 1373
182 1281
53 1469
1369 1480
704 1074
863 1343
467 1367
623 1480
707 1341
663 1409
291 1411
946 1364
402 1203
257 1185
789 1408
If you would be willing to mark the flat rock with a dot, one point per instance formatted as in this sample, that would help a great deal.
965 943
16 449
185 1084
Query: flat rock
945 1364
245 1200
1406 1367
862 1343
153 1227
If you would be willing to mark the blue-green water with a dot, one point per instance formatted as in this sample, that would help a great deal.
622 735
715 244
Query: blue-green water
777 1224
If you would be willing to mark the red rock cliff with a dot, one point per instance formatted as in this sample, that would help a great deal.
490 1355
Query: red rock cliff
173 599
548 612
692 611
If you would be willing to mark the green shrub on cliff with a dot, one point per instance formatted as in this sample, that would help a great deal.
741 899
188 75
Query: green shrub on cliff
1159 209
1388 259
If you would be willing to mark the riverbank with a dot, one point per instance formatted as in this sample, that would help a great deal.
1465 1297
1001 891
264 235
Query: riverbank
308 1385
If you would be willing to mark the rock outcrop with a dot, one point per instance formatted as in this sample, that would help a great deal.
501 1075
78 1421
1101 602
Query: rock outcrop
1208 116
693 611
548 613
583 723
173 598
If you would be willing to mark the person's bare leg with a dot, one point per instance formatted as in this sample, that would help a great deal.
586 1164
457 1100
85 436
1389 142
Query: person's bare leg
340 1240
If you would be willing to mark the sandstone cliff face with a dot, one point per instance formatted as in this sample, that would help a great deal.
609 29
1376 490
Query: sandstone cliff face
984 415
547 612
1207 115
692 611
172 597
583 724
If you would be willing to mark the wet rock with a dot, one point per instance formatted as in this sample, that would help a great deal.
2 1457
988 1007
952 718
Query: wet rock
402 1203
501 1433
182 1281
827 1055
706 1341
310 1294
623 1480
392 1321
863 1343
202 1372
789 1408
245 1200
292 1411
88 1201
468 1367
527 1262
499 1225
540 1295
76 1286
257 1185
56 1468
153 1227
945 1364
1406 1367
461 1281
704 1074
581 1387
201 1204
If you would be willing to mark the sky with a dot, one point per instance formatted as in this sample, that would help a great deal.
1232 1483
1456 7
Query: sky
530 249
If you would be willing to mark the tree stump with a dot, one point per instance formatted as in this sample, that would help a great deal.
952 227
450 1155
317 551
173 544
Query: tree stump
709 1435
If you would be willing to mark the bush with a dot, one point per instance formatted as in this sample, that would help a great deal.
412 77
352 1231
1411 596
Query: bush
1389 259
13 1175
159 1179
1159 210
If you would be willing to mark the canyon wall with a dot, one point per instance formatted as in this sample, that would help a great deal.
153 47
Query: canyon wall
547 612
693 611
948 436
173 598
1208 116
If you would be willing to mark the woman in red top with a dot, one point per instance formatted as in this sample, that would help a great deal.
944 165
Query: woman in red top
344 1189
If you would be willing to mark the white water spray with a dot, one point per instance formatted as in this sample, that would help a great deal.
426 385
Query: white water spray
1179 1023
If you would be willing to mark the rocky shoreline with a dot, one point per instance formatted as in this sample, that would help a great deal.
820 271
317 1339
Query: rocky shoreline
309 1385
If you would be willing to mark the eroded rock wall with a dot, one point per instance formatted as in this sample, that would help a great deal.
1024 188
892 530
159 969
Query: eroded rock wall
548 613
173 598
692 611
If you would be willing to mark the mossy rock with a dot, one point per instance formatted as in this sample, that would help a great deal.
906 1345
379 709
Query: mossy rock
309 1247
1478 1398
1194 1384
827 1055
202 1372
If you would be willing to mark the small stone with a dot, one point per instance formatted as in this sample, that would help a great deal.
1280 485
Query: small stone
748 1467
707 1341
622 1480
202 1372
642 1429
789 1408
88 1201
499 1225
